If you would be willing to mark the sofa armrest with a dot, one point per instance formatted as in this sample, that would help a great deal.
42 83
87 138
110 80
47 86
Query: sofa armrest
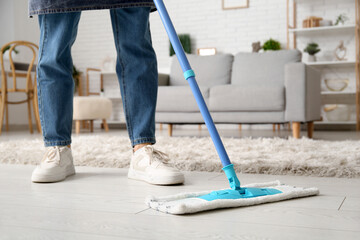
303 93
163 79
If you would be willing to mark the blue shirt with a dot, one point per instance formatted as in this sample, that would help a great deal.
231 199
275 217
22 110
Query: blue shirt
59 6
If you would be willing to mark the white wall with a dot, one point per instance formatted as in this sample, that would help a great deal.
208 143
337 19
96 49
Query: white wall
209 26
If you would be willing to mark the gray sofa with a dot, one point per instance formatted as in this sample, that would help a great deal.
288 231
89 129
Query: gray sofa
248 88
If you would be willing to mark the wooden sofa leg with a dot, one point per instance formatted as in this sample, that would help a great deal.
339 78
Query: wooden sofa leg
77 126
161 127
199 127
274 127
310 129
104 123
91 125
278 127
240 127
170 129
296 129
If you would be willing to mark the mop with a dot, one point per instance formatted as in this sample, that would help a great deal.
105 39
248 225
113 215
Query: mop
237 195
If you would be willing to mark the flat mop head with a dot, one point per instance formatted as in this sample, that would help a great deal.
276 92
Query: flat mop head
252 194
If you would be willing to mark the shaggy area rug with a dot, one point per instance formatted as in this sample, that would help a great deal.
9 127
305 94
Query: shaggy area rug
304 156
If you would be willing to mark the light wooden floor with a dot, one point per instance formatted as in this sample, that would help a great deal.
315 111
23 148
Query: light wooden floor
102 203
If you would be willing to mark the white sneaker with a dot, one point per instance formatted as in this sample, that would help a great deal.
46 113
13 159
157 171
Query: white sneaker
150 165
56 165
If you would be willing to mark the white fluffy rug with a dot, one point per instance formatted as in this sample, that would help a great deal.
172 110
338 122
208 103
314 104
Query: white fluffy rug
261 155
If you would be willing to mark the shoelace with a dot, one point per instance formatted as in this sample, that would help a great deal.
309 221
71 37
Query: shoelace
53 155
157 155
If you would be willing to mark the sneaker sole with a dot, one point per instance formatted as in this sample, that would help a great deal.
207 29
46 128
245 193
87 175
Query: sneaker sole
43 178
136 175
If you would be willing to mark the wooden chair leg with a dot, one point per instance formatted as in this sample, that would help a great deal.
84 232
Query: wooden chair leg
36 114
91 125
170 129
296 129
29 116
77 126
6 117
105 125
36 107
83 122
240 127
2 110
310 129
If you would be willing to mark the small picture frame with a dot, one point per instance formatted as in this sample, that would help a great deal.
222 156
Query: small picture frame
234 4
206 51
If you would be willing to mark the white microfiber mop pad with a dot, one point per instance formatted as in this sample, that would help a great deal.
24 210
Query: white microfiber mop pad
184 203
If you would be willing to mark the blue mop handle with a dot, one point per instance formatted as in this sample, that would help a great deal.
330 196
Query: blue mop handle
190 77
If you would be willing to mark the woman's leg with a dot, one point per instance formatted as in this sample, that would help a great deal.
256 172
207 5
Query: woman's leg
137 71
54 76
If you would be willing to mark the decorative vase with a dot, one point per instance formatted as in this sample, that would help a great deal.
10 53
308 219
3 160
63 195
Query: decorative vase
311 58
336 85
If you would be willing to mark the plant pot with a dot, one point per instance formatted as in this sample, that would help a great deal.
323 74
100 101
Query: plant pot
325 23
311 58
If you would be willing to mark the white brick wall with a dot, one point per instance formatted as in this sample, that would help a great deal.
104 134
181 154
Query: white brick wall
229 31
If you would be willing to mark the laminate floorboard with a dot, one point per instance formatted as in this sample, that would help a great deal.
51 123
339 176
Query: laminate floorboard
101 203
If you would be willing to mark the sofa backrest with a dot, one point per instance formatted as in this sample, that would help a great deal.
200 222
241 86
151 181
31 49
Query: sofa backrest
209 70
265 68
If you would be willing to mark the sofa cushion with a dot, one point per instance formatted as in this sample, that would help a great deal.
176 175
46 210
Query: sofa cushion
227 98
267 68
178 99
209 70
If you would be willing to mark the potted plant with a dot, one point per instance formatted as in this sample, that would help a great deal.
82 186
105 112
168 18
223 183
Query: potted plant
76 76
271 44
312 49
185 42
6 55
341 19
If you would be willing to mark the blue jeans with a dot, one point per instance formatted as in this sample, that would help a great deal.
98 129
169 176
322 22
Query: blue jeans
136 69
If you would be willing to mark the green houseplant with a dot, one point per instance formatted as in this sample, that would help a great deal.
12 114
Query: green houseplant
76 76
312 49
271 44
185 42
6 49
341 19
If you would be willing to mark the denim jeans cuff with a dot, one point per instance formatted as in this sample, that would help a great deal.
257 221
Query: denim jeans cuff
57 143
143 140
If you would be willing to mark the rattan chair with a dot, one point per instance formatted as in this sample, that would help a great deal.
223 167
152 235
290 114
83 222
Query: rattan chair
22 71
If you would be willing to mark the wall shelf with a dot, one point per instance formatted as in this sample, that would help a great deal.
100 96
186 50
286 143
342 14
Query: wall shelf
330 97
350 27
337 123
338 97
332 64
